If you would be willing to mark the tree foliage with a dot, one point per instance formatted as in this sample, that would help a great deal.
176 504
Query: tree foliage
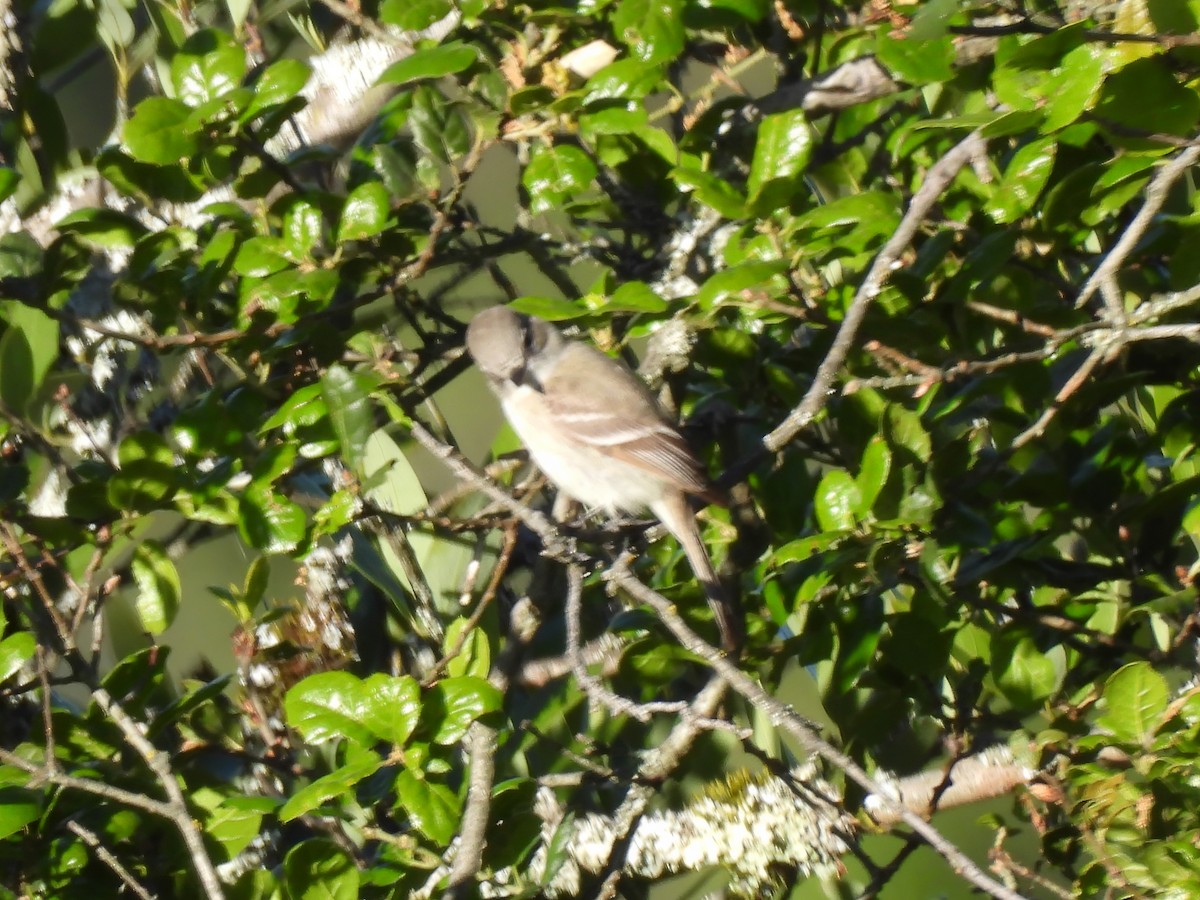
921 279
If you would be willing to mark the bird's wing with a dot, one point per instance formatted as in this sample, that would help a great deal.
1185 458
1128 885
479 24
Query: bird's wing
603 405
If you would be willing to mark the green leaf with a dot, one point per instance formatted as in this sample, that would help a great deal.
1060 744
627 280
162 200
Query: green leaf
916 61
235 822
558 849
279 82
18 808
552 309
103 227
710 190
1014 121
932 20
1025 674
395 486
114 25
20 255
1073 88
209 65
337 783
148 476
731 283
15 650
781 154
432 62
1135 698
392 708
156 134
457 702
652 29
304 408
873 472
625 79
365 212
635 297
837 501
269 521
555 175
9 179
433 808
413 15
28 349
158 587
613 120
189 702
317 869
1023 182
752 11
348 399
904 429
328 706
1146 95
876 211
474 655
303 227
440 128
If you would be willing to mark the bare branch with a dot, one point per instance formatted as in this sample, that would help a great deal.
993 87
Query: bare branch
1156 196
177 809
784 717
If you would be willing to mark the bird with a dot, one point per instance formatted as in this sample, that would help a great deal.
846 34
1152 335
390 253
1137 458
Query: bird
593 427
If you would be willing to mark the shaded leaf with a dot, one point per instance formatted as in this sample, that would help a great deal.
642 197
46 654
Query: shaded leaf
433 808
318 869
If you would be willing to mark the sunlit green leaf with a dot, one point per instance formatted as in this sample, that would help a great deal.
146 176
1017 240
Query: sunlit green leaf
433 62
15 650
210 64
336 784
653 31
781 153
838 501
158 587
457 702
555 175
1135 698
365 212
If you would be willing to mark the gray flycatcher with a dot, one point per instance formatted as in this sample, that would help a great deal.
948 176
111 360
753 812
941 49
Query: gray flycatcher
595 430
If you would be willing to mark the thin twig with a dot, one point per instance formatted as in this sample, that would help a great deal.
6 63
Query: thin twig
46 775
177 807
588 683
604 651
463 469
658 765
1156 196
1074 383
105 856
936 181
489 593
481 742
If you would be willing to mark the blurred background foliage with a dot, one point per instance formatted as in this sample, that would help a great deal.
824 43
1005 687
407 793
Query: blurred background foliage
240 241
